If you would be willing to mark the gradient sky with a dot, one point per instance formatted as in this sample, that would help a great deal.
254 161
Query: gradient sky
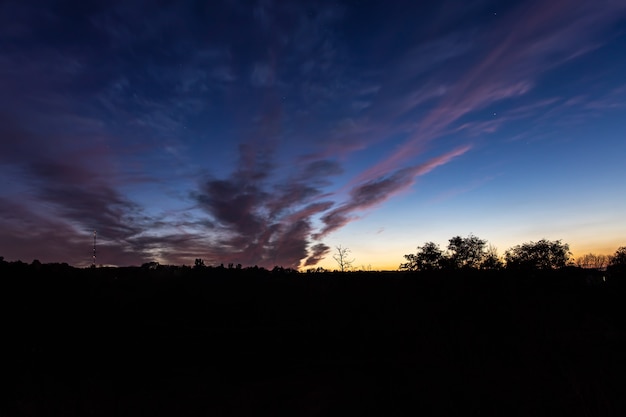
269 132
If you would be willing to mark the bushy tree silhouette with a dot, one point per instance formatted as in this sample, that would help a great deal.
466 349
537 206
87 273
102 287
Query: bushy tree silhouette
619 258
617 263
542 255
428 257
467 252
150 265
491 259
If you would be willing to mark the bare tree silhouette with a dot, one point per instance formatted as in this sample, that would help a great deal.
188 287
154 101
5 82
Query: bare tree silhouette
593 261
341 257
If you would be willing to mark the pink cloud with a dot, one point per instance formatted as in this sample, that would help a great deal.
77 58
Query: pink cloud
526 42
374 192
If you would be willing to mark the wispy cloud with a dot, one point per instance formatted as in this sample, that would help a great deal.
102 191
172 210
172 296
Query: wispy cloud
519 49
268 138
372 193
317 253
265 221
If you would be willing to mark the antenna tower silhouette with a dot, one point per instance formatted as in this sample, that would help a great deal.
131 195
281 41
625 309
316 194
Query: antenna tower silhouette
93 265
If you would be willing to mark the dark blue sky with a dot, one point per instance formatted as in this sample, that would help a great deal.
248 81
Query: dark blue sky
266 132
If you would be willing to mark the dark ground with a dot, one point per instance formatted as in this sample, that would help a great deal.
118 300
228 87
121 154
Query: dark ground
172 342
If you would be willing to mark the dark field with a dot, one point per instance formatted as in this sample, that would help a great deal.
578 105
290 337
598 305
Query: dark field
219 342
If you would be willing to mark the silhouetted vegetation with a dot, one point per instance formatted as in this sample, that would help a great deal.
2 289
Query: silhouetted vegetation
473 253
541 255
342 258
617 262
454 335
592 261
427 258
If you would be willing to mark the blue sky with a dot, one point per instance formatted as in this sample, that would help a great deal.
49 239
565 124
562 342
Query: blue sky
268 133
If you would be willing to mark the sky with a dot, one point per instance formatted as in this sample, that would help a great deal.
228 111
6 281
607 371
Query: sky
270 132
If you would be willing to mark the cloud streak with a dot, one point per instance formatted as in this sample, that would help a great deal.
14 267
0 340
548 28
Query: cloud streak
521 47
374 192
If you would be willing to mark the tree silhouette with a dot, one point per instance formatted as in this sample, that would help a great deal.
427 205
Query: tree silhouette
592 261
342 258
466 252
619 258
150 265
428 257
491 259
543 254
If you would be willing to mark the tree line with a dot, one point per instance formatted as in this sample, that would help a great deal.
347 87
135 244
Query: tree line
472 252
461 253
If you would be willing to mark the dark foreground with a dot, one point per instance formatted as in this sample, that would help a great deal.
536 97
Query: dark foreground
202 343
